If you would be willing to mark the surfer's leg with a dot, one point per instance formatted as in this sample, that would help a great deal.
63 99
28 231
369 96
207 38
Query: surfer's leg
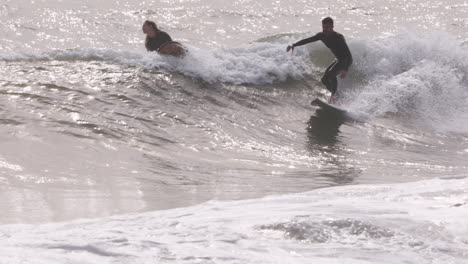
329 78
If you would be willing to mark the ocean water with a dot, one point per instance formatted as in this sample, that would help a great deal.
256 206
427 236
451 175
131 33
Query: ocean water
111 154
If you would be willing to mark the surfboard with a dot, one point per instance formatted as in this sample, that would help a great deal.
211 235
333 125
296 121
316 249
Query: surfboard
332 111
328 107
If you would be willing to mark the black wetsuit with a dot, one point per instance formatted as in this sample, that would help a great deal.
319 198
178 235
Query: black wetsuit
153 44
337 44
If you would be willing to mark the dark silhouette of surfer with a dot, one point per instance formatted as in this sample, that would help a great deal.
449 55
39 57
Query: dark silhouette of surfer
337 44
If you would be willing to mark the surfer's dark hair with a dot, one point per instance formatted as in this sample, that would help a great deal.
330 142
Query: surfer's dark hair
328 21
152 24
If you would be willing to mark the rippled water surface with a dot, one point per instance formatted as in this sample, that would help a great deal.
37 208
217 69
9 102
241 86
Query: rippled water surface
93 126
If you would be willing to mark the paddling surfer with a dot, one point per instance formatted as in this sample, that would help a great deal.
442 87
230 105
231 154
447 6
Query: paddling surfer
160 41
337 44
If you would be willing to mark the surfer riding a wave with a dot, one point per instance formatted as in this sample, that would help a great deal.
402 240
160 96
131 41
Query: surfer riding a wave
160 41
337 44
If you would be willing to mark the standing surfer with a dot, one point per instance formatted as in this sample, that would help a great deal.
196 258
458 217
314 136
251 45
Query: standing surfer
337 44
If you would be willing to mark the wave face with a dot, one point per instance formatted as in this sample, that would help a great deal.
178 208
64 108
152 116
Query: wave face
93 126
427 81
224 116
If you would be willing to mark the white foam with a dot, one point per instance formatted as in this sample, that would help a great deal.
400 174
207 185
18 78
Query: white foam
417 76
256 63
253 63
421 222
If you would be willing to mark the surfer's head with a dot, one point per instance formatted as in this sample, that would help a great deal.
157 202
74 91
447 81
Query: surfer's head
149 28
327 25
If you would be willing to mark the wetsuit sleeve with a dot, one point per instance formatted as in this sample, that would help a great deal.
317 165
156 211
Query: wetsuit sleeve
348 58
147 44
308 40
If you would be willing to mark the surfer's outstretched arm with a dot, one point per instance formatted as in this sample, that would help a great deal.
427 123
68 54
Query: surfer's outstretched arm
304 41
